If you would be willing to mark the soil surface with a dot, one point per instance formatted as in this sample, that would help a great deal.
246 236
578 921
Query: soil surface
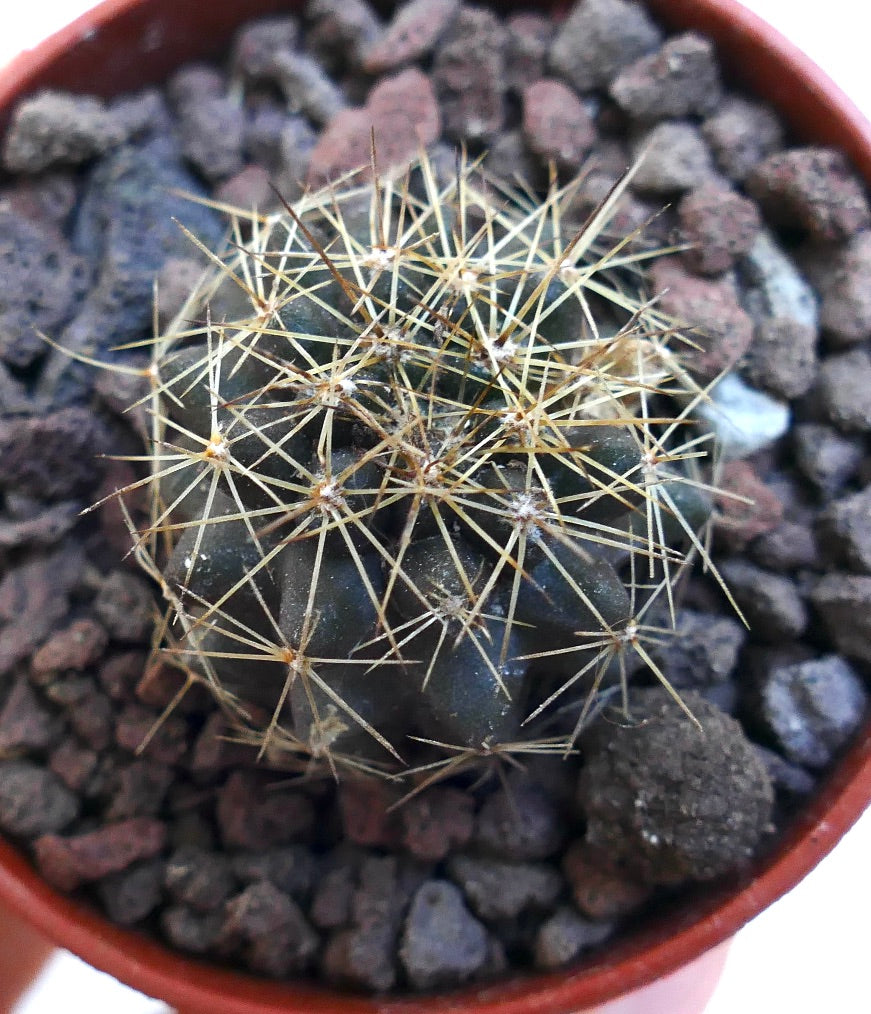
172 827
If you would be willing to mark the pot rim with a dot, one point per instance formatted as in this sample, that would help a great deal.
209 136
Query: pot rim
818 110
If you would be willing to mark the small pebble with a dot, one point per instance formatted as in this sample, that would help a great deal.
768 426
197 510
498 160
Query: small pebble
442 943
562 937
811 709
844 382
498 890
744 420
844 603
674 158
33 800
844 531
771 604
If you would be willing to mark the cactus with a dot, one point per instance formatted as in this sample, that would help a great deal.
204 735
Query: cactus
420 469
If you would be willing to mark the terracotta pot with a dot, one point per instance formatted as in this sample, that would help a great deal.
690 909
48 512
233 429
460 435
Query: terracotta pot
126 44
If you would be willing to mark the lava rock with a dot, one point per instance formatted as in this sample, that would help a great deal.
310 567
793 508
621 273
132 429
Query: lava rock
710 310
527 45
306 87
770 602
748 507
52 457
131 896
24 723
413 32
782 357
403 112
125 606
825 457
292 869
201 879
468 75
275 936
436 822
811 709
41 282
55 128
703 650
442 943
519 822
251 817
812 189
498 890
257 43
844 603
741 133
33 800
556 124
601 892
789 546
844 531
719 224
342 32
194 932
68 862
565 935
844 382
674 158
670 799
598 39
680 79
76 647
845 288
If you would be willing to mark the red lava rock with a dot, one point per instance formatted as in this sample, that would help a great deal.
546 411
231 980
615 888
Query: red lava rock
404 114
364 808
248 189
250 816
719 224
600 894
811 188
68 862
73 764
740 134
213 751
469 75
681 79
740 522
845 314
92 717
121 672
415 29
709 311
436 822
782 357
77 647
556 124
24 723
159 684
138 728
529 36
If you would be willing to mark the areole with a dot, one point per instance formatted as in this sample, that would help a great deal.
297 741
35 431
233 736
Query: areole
125 44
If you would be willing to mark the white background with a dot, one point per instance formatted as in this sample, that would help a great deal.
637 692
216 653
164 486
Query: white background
808 953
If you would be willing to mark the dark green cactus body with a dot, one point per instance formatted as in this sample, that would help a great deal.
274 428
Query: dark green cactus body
405 451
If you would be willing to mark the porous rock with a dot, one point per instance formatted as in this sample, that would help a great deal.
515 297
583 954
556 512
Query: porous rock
33 800
845 531
670 799
599 38
812 708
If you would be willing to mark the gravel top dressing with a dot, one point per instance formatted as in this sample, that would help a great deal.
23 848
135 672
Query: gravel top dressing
128 781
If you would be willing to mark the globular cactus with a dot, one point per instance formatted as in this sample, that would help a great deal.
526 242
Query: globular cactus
422 464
